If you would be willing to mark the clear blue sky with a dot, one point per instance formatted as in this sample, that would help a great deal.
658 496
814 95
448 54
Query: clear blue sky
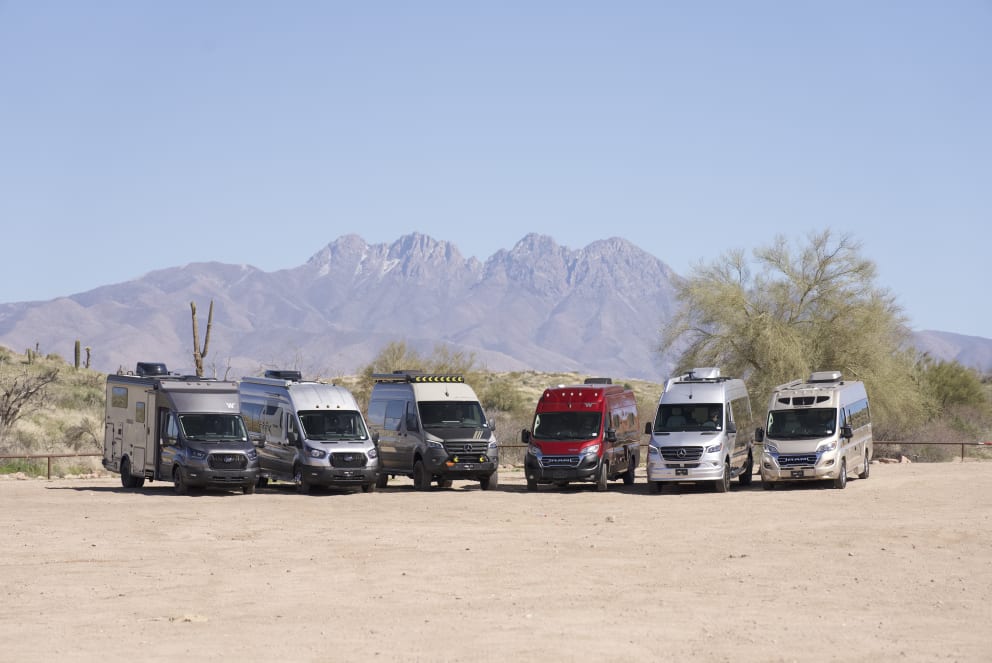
141 135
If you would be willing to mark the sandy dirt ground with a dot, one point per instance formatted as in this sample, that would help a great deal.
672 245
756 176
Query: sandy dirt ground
895 567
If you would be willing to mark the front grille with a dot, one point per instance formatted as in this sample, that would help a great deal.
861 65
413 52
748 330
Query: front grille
681 454
466 447
675 466
560 461
348 459
796 460
223 461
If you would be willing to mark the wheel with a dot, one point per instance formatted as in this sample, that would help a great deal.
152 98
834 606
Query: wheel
744 478
381 480
489 481
657 486
722 484
841 481
369 487
444 483
179 481
867 470
248 489
262 482
767 485
302 485
602 476
421 479
531 485
128 480
629 475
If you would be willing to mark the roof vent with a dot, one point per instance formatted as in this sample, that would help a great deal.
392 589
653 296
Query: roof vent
284 375
150 368
599 380
825 376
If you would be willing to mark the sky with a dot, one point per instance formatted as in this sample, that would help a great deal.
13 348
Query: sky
137 136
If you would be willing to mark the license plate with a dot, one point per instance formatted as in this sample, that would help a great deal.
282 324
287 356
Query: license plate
559 474
681 472
467 466
797 474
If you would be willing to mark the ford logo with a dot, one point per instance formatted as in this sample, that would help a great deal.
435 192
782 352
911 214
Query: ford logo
228 459
348 459
680 453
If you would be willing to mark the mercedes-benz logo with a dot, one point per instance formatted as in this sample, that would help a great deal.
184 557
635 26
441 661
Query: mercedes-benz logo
681 453
468 448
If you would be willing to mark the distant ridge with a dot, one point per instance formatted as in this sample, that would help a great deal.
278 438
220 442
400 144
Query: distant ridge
539 305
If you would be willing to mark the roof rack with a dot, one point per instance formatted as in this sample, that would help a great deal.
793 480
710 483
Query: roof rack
416 376
598 381
295 376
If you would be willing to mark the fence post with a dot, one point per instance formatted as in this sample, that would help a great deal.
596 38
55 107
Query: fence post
49 468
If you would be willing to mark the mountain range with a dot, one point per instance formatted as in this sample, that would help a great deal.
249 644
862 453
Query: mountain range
538 306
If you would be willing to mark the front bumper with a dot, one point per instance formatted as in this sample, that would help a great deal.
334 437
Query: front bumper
702 470
551 469
200 477
793 467
340 476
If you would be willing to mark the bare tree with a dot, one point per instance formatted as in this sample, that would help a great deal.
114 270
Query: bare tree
20 394
200 352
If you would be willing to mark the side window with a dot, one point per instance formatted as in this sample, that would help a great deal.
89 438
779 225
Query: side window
139 413
394 415
171 429
377 413
411 417
118 397
252 413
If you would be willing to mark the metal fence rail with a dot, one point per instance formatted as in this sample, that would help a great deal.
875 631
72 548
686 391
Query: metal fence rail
49 457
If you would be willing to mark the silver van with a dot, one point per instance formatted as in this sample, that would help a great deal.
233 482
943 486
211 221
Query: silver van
432 428
308 433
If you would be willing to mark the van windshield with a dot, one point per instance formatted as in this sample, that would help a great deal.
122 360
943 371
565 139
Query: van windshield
814 422
566 425
672 418
327 426
212 427
451 414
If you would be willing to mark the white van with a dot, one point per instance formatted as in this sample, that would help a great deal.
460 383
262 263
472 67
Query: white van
308 433
817 429
695 434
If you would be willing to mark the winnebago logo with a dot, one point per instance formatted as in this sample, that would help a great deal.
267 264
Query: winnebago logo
232 406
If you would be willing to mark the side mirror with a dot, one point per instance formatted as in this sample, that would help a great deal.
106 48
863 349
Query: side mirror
293 437
847 432
411 424
375 437
647 428
731 427
525 436
759 434
611 435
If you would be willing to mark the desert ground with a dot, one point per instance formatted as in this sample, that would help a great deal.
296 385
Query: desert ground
895 567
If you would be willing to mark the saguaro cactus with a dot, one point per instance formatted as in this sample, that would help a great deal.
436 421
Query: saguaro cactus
88 349
76 364
198 352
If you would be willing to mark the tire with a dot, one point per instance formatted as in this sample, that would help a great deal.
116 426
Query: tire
248 489
840 483
262 482
722 484
421 479
630 474
381 480
867 470
179 481
128 480
657 486
302 485
369 487
767 485
531 485
489 481
744 478
444 483
602 477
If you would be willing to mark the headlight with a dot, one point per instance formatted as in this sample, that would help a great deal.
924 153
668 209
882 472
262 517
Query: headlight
433 442
315 453
713 448
591 450
197 454
372 453
252 455
827 446
770 447
653 450
534 450
492 443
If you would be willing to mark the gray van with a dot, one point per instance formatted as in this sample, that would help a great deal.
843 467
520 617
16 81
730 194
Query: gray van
308 433
431 428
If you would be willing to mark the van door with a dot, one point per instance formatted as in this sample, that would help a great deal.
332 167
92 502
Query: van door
167 443
389 438
410 435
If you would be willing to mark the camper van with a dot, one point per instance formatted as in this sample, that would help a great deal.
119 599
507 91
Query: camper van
817 429
185 429
584 432
701 431
431 428
309 433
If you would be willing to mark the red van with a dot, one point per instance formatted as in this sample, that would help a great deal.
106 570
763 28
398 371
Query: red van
585 432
